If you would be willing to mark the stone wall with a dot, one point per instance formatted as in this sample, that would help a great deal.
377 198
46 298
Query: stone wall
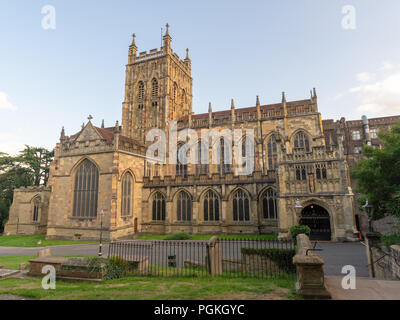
383 263
22 211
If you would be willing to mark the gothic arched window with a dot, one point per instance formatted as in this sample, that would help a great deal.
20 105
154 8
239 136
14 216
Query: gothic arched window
301 142
269 207
158 209
86 190
224 167
35 209
202 158
184 207
181 169
175 91
127 194
141 90
183 97
154 88
272 152
241 206
211 206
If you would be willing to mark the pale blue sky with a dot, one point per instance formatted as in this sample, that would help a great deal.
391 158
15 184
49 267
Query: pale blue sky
239 49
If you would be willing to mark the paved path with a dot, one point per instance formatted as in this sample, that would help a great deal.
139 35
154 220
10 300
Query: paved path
366 289
336 255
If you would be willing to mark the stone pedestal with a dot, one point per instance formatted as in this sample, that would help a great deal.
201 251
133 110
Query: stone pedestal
310 271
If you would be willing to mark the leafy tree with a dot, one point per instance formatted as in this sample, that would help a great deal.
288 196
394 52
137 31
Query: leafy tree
30 167
378 175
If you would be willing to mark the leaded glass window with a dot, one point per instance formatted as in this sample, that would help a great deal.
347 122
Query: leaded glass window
241 206
86 185
184 207
127 194
211 206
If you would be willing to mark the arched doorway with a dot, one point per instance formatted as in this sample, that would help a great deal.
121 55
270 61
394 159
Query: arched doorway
317 218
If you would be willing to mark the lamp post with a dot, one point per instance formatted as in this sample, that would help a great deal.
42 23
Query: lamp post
369 210
101 232
298 208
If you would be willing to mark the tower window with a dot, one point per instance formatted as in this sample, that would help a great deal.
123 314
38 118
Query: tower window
141 90
154 90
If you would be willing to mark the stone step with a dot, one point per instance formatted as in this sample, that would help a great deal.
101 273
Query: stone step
4 273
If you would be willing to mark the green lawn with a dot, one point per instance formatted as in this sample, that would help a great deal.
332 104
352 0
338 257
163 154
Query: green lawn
32 241
154 288
150 288
209 236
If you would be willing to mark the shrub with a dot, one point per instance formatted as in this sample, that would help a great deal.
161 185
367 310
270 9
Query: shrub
114 267
390 239
296 230
283 257
178 236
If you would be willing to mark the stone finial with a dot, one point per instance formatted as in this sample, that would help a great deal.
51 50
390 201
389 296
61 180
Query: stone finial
167 29
232 105
283 97
257 101
258 108
90 117
314 93
311 97
83 125
133 40
187 54
116 126
102 124
62 137
209 107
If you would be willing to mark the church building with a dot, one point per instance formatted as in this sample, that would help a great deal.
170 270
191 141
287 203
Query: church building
103 175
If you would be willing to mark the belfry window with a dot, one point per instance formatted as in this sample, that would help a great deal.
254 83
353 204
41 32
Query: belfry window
86 185
141 90
154 88
241 206
127 194
269 207
158 209
211 206
301 142
184 207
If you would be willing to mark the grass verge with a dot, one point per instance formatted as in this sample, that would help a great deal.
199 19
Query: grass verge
33 241
151 288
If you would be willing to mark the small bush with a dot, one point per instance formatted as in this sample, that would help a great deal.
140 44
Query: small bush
390 239
296 230
178 236
114 267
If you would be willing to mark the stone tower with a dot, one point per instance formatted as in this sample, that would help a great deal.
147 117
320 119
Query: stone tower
158 89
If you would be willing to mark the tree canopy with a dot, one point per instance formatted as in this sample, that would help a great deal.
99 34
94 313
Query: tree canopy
29 168
378 174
